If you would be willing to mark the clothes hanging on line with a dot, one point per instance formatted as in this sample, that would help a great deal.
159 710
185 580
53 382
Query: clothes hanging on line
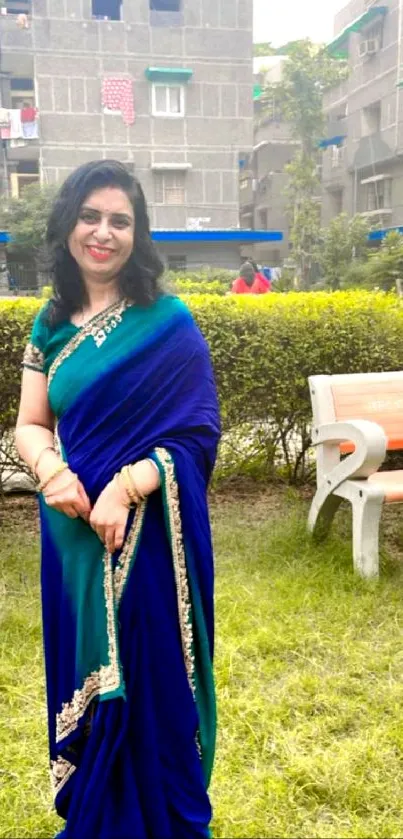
30 130
117 96
28 114
4 117
15 124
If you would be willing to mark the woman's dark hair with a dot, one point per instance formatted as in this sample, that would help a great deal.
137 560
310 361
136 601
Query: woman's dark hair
139 279
247 273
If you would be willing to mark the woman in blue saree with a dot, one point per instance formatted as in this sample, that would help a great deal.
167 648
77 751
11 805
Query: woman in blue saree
119 421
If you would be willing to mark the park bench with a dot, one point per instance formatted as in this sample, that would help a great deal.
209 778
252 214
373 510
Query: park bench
359 416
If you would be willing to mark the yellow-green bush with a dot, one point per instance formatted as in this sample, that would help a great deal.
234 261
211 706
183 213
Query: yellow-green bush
200 287
263 350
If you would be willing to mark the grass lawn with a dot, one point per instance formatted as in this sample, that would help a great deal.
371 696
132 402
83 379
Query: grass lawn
309 672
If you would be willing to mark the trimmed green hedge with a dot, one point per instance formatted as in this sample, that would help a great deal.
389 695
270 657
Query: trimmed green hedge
263 350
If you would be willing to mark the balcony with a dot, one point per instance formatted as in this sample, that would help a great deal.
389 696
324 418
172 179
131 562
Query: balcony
334 167
372 149
246 192
274 131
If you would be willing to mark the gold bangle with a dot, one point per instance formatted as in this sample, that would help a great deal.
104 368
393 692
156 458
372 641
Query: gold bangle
129 486
46 449
116 479
133 483
61 467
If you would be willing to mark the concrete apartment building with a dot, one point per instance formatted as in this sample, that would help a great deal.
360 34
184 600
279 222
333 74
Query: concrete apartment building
363 144
263 179
185 66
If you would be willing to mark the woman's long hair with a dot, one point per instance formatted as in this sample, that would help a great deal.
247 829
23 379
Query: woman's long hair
139 279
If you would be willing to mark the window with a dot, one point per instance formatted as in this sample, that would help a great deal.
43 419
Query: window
107 9
17 7
169 188
371 119
337 156
22 93
165 5
168 100
263 219
336 201
177 262
19 181
379 195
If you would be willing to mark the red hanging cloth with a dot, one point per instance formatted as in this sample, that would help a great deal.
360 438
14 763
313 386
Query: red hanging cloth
117 95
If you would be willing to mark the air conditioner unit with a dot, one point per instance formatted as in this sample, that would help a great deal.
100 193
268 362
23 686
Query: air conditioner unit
373 46
363 49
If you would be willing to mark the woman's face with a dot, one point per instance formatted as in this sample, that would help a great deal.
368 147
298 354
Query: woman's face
103 238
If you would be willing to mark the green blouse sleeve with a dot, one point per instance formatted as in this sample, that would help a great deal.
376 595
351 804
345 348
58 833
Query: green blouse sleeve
34 355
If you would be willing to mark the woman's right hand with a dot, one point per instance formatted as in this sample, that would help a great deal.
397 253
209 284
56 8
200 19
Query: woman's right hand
66 494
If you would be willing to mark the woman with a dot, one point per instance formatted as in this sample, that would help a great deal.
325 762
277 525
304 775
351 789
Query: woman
120 376
249 282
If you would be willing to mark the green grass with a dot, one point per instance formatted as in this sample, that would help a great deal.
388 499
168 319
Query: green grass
309 673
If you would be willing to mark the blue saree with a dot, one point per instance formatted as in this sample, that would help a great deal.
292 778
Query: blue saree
129 637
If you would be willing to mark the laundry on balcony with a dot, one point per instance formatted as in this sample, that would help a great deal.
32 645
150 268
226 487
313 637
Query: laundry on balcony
19 124
117 97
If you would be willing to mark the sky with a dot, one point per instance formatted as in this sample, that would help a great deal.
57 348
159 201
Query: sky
280 21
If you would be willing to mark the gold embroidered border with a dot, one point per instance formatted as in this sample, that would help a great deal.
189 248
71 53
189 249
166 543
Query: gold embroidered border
106 679
105 320
179 561
123 563
60 772
33 358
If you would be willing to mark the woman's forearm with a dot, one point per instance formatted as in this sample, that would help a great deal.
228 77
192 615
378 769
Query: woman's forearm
35 444
146 476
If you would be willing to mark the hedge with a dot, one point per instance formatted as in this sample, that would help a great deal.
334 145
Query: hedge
263 350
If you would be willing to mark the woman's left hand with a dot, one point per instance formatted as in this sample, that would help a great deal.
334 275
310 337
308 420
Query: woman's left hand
109 517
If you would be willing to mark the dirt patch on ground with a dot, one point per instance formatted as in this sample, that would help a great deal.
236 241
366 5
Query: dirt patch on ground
20 511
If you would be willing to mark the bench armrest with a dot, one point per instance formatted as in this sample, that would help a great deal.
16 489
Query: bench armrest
370 444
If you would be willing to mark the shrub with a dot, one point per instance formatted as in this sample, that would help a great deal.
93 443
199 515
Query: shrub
263 350
203 275
203 287
16 318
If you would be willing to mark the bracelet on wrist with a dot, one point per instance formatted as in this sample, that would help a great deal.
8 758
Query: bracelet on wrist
61 467
130 486
122 490
36 464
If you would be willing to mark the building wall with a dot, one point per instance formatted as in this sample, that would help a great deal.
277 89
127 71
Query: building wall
70 54
369 149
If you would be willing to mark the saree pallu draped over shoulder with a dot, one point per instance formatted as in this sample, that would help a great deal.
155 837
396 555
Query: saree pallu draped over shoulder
129 637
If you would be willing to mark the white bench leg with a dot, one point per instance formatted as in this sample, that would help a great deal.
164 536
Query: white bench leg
366 518
321 516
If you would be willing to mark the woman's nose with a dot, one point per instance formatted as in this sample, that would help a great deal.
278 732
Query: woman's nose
103 232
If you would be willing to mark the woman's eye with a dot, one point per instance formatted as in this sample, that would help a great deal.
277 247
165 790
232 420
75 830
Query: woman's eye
120 223
88 217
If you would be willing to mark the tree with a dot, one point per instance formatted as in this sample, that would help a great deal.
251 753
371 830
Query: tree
307 74
345 239
386 264
263 49
25 220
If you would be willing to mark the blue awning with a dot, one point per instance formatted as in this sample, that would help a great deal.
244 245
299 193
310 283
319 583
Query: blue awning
4 237
238 235
378 235
332 141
